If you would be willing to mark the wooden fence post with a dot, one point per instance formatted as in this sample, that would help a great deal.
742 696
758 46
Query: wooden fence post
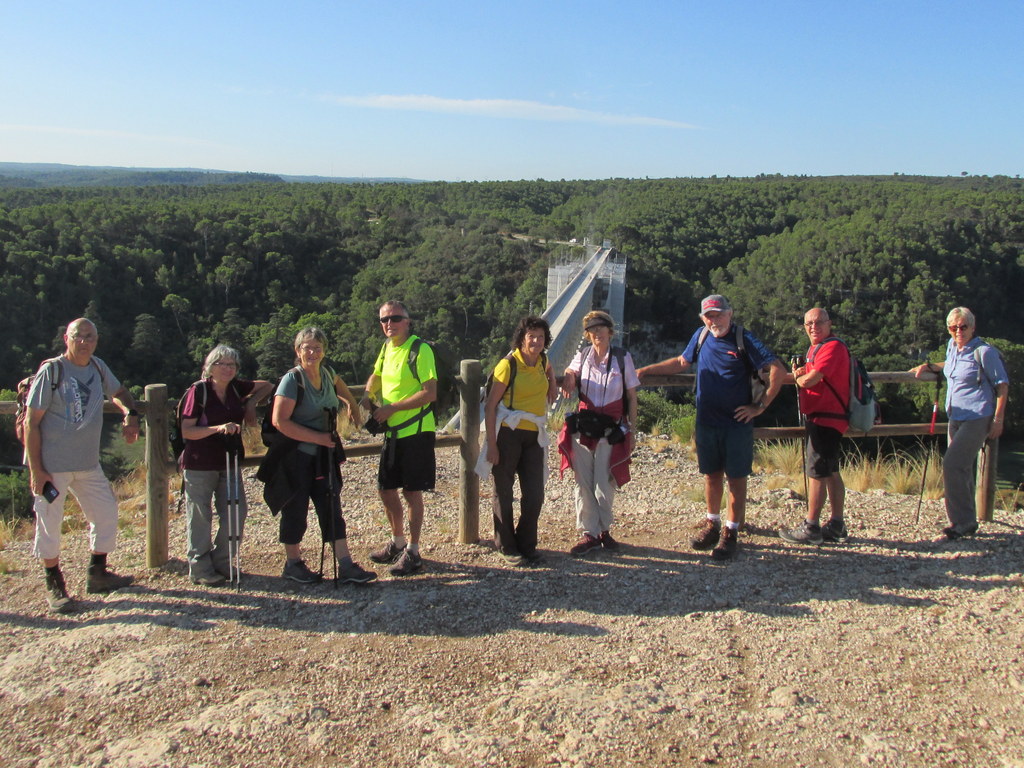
157 471
985 491
469 450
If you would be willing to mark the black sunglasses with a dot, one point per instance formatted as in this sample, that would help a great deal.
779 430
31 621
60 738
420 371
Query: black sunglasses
393 319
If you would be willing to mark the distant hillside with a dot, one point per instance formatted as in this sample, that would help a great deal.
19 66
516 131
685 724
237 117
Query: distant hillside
38 175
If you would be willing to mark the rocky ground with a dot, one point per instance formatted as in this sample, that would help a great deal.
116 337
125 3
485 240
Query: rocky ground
888 650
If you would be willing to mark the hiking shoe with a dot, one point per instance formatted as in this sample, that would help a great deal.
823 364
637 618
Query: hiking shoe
726 545
707 536
209 580
298 571
57 593
952 534
585 545
355 574
513 558
608 542
533 558
104 580
389 553
408 563
834 530
805 533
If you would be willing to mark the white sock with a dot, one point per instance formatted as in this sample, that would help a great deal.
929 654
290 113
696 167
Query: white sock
413 549
732 526
715 518
398 541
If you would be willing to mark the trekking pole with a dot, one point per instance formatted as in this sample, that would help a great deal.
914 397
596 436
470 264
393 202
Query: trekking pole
795 362
928 456
234 488
332 495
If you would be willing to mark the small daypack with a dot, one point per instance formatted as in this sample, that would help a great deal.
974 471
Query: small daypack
862 411
982 373
268 432
445 365
176 436
25 386
758 384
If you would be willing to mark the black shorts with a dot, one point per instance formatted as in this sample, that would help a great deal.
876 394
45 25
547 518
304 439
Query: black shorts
407 463
822 451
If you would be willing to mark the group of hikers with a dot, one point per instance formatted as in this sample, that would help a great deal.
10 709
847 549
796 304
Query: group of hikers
302 464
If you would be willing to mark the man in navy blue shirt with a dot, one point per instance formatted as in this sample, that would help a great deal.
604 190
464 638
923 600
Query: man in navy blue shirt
725 414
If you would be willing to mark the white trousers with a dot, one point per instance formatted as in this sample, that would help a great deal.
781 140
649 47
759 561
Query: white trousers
96 498
595 488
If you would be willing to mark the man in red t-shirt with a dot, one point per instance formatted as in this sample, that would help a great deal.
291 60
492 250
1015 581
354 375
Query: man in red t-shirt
824 395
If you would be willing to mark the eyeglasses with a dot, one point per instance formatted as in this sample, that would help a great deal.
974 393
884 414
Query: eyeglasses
961 327
393 319
226 364
810 323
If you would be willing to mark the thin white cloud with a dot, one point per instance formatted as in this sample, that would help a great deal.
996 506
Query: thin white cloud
99 133
500 108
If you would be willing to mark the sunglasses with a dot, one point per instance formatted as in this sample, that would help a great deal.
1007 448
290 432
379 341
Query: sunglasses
392 319
961 327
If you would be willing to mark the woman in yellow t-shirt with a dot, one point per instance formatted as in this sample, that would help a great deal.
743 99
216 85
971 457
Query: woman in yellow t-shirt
523 385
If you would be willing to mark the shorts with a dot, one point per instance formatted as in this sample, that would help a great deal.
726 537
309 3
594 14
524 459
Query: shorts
822 451
725 448
407 463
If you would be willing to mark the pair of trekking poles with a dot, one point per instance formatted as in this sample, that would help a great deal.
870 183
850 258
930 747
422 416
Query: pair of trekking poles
235 491
333 497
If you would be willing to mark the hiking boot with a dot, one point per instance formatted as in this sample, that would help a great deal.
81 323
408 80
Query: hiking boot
608 542
805 533
408 563
835 531
707 536
726 545
57 593
533 558
298 571
585 545
104 580
389 553
355 574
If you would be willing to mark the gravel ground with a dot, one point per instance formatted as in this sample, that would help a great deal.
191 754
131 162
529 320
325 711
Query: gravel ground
887 650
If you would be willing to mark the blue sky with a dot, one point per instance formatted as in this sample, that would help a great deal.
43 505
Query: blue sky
470 90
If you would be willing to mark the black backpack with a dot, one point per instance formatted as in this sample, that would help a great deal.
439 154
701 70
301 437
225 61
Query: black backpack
177 438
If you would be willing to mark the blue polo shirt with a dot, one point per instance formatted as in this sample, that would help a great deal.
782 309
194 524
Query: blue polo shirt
970 393
723 380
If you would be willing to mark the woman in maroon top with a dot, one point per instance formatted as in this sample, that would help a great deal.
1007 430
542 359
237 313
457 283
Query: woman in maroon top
214 411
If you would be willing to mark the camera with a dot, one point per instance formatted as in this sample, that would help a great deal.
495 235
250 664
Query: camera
373 426
50 492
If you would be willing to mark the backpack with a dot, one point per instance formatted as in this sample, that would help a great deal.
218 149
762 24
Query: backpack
862 411
176 436
758 384
25 386
981 367
513 369
268 432
447 383
445 364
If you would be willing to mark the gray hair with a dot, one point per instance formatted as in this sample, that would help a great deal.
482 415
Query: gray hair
218 353
311 332
963 312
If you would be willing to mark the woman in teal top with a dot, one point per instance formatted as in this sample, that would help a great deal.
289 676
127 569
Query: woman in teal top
305 399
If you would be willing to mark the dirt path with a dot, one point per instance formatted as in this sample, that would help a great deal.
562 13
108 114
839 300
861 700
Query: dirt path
883 651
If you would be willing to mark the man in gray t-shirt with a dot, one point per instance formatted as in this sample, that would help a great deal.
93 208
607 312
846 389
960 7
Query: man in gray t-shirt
62 448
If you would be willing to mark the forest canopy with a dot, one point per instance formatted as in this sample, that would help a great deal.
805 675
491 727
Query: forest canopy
168 271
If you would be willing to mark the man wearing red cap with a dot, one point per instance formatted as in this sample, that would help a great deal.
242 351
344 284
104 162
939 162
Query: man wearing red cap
725 414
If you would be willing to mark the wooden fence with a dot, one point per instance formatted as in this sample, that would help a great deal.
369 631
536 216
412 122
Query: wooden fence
156 412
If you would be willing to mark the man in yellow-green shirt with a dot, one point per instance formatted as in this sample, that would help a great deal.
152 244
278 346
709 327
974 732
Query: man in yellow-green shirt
407 459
